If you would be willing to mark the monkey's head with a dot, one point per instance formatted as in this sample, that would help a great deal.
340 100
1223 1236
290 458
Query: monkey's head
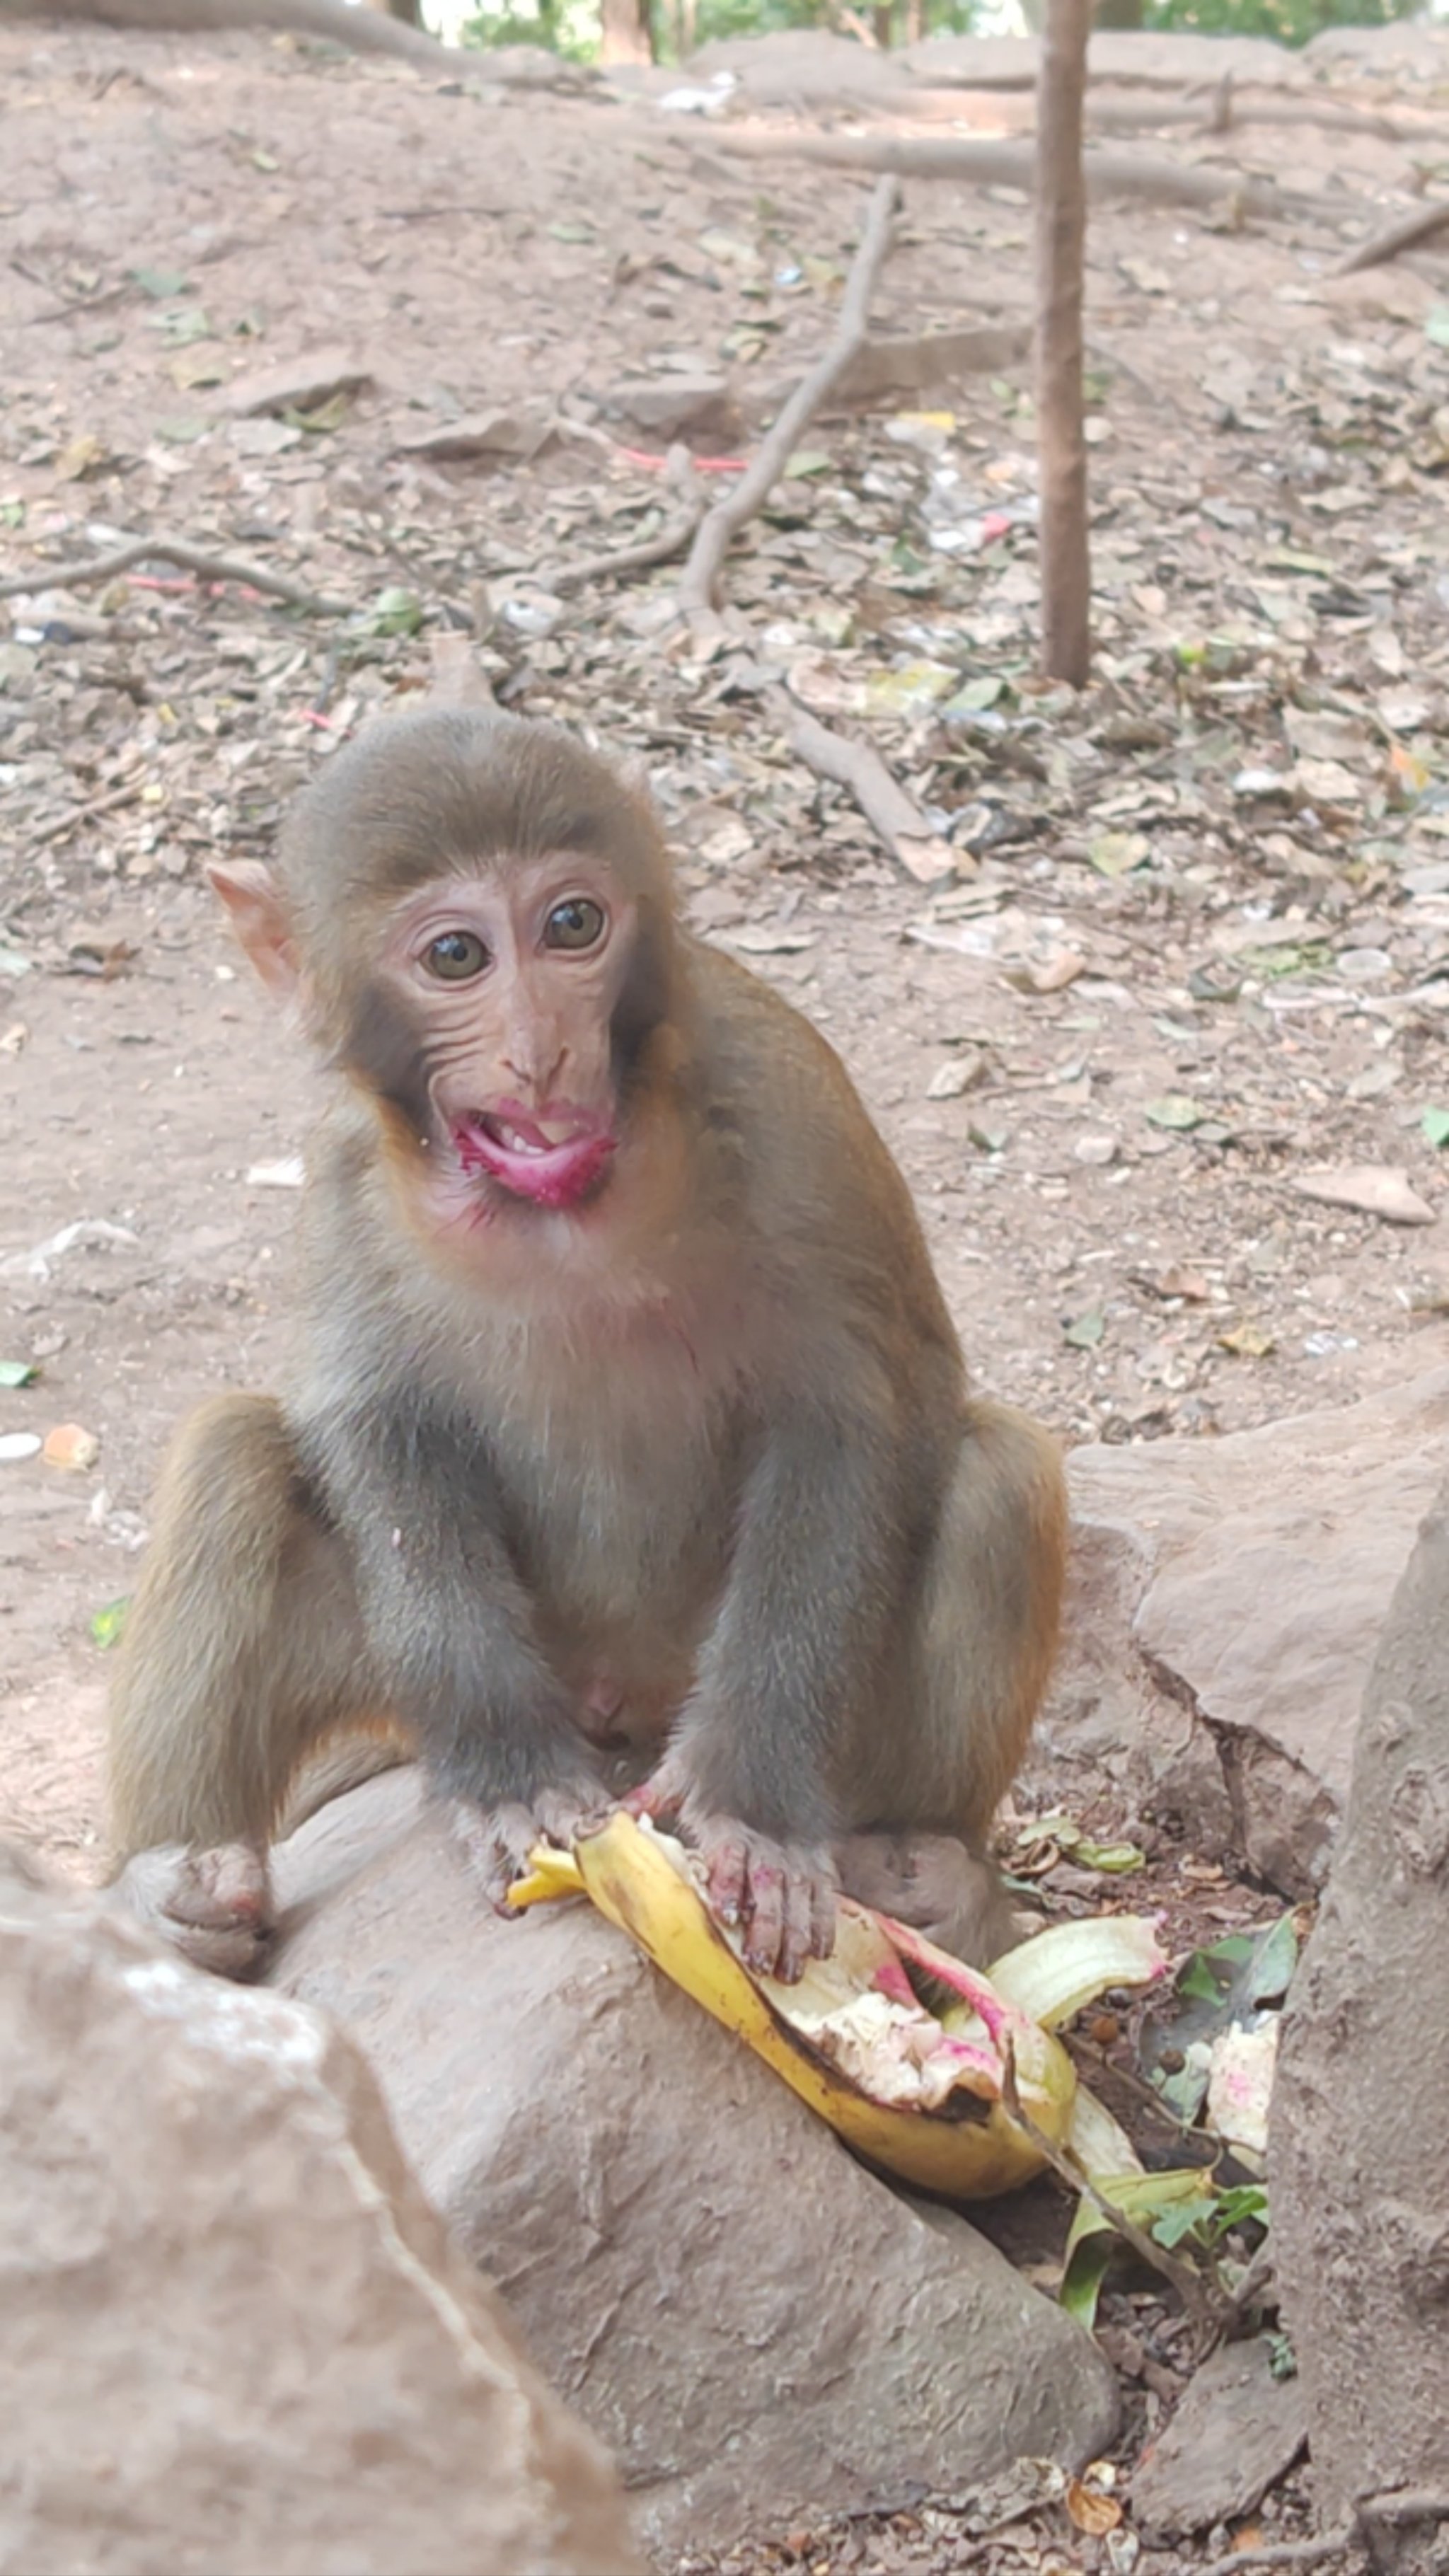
475 915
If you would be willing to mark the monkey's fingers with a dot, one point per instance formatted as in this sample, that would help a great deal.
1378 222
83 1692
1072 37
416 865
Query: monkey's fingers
496 1841
807 1917
215 1907
661 1797
782 1894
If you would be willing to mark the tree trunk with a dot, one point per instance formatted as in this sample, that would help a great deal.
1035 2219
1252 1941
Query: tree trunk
881 18
1358 2152
626 31
1061 223
915 21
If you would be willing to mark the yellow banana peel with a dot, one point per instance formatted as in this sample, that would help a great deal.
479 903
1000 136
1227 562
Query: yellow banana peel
915 2092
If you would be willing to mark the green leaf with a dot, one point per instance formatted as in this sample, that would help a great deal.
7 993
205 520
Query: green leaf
1083 1332
1115 854
327 416
1093 2242
1244 2200
1435 1124
18 1373
395 612
161 282
1436 326
1228 1982
107 1624
1175 1110
1115 1860
1087 2268
975 696
807 461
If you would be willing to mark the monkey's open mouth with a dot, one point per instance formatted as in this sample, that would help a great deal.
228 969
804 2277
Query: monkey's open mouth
554 1160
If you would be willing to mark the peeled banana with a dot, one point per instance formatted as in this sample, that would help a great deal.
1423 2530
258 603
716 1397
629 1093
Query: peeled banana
916 2092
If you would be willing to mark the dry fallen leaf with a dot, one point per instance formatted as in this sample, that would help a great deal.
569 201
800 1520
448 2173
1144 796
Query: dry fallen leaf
69 1446
1090 2510
1052 975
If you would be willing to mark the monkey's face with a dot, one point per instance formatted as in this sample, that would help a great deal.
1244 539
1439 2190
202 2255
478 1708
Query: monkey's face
508 987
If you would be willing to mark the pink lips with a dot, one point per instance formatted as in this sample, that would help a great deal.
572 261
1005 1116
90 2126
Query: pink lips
552 1157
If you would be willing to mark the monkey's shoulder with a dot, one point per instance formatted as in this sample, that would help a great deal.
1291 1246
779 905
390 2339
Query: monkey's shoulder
818 1179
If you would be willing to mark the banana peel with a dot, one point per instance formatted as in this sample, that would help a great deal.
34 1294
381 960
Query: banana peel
916 2092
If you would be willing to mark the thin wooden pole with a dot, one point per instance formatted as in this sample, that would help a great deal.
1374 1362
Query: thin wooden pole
1060 234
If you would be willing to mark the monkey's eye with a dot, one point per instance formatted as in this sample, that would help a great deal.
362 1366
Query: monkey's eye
456 957
578 923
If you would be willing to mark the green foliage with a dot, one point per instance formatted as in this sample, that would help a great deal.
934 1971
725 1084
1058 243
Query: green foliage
566 27
1292 22
571 27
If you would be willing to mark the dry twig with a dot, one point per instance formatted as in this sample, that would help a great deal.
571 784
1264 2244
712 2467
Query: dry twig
89 569
1288 2553
1201 2300
89 812
667 542
1404 235
1107 174
893 815
701 573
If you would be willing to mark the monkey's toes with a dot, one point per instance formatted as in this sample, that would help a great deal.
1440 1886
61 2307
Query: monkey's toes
215 1907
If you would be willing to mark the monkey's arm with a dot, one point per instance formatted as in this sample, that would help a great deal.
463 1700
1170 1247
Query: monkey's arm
450 1627
808 1612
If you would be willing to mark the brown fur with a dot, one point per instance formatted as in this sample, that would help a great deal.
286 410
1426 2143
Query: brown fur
700 1448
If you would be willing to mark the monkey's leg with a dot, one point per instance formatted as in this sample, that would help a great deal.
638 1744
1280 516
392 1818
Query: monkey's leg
243 1650
990 1613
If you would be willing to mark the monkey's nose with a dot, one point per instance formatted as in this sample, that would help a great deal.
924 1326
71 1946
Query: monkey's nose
537 1068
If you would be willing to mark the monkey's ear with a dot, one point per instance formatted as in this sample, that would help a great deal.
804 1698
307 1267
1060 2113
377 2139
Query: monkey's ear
259 917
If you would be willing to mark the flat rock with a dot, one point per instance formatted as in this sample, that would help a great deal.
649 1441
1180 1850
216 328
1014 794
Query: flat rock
1227 1600
236 2336
296 384
755 2323
1236 2429
676 406
524 433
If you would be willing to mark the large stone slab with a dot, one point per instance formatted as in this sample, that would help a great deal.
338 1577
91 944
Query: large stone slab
1358 2172
753 2322
236 2338
1227 1600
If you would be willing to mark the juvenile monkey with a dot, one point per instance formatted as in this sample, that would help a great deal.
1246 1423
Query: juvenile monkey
628 1436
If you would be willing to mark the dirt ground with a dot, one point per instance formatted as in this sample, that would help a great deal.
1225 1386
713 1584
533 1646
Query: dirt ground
1196 945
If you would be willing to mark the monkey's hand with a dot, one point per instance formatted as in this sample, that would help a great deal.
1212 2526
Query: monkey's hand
496 1841
215 1907
782 1894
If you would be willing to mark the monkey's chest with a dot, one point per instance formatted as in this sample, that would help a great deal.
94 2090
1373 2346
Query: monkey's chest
617 1524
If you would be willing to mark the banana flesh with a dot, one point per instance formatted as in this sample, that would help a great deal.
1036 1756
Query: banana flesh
916 2093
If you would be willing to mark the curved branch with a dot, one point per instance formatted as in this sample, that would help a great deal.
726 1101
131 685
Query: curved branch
701 574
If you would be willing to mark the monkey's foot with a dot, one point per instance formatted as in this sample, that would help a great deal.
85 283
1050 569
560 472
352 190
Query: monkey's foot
215 1907
938 1885
781 1894
496 1841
